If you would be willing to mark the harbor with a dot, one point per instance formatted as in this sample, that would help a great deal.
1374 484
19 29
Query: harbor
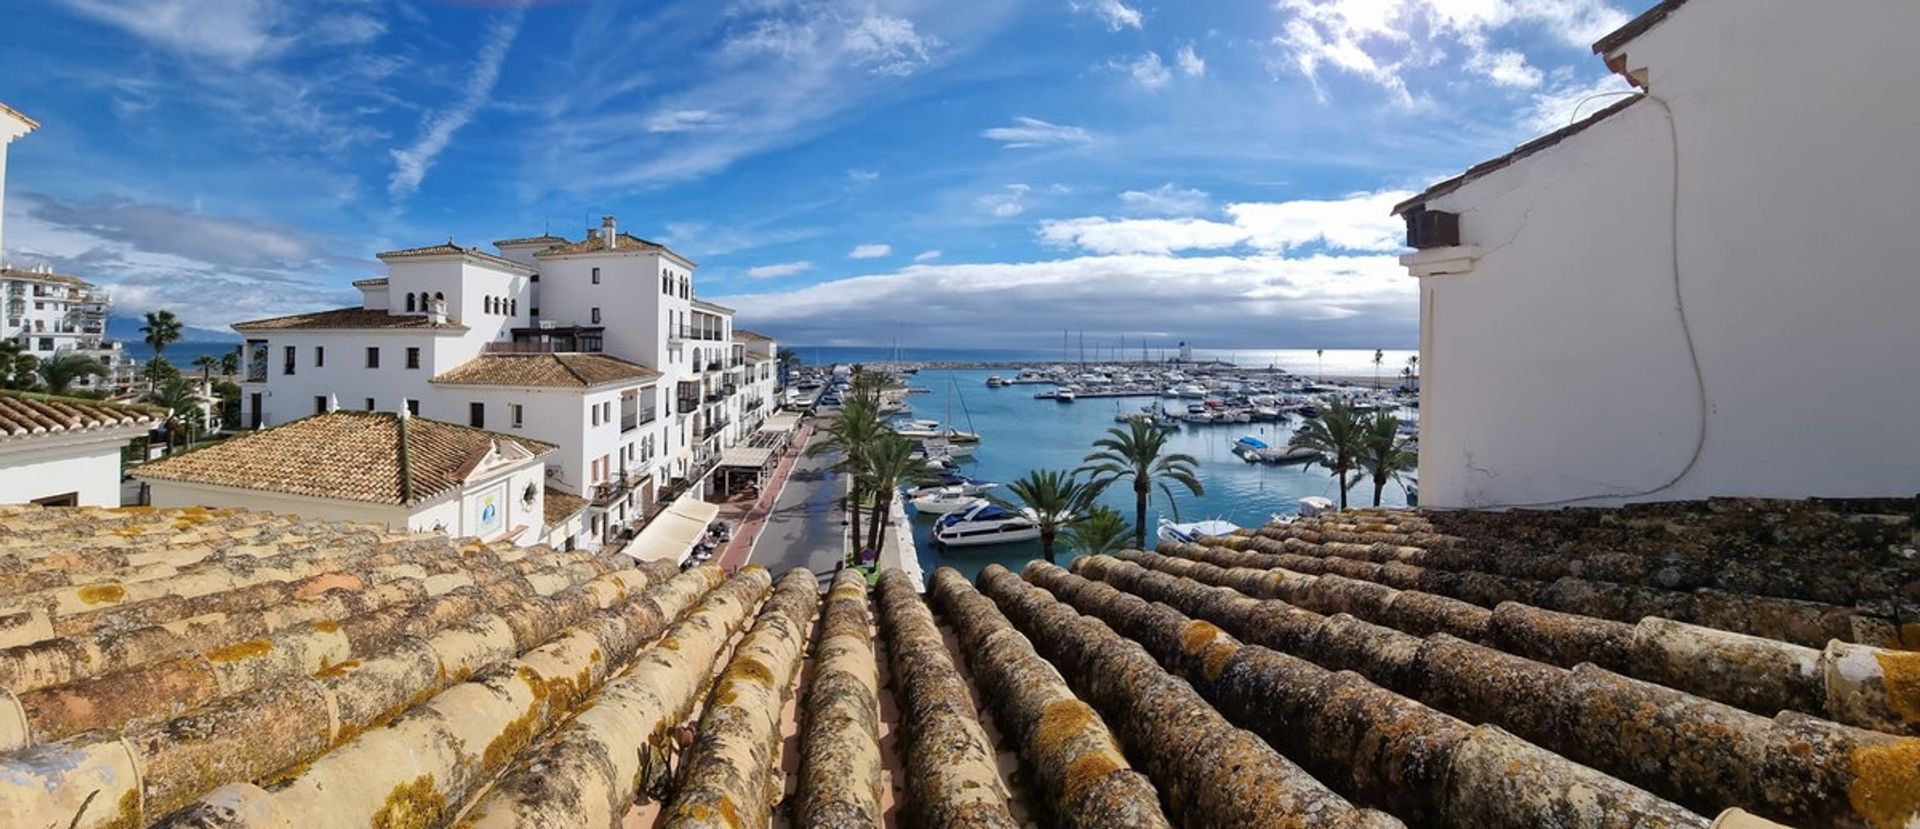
1018 433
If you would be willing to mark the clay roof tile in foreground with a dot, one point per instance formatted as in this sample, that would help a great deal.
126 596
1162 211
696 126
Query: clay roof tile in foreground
353 456
23 414
1652 666
571 370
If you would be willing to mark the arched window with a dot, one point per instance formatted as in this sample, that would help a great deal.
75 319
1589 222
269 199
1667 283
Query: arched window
426 302
493 305
409 303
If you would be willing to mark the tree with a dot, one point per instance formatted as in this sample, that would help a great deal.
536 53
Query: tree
1133 453
1413 369
1336 436
59 372
1054 499
17 367
884 467
1382 454
788 360
1379 358
178 397
205 363
162 328
230 362
1320 355
1102 531
852 432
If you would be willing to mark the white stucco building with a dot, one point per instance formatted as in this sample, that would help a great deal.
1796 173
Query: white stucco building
44 312
406 472
64 451
1705 289
599 347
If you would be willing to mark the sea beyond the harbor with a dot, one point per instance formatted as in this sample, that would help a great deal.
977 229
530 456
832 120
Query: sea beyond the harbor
1019 433
1307 362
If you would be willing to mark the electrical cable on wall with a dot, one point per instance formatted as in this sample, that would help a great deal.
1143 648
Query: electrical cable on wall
1686 332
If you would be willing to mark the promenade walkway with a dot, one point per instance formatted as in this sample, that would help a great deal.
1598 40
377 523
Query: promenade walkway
798 521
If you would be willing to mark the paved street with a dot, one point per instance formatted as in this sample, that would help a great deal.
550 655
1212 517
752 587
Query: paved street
806 528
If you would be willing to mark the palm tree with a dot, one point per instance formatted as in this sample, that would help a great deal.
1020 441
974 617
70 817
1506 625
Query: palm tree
1054 499
1320 355
788 360
1336 435
16 365
1379 357
1102 531
852 433
179 399
61 371
1383 453
887 464
1133 453
230 362
1413 369
205 363
162 328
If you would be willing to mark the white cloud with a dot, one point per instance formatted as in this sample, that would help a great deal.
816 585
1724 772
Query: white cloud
781 269
1357 223
1561 105
870 251
1357 301
1011 202
859 176
1383 40
1118 15
1190 62
1033 132
1147 72
890 46
679 120
926 256
236 31
411 164
1167 199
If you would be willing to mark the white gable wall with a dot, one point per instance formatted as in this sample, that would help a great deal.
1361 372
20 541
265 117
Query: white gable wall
1556 368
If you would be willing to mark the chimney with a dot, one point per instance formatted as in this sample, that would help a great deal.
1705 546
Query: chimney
609 231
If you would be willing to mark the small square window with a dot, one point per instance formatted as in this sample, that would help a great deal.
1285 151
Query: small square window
287 367
477 415
596 316
319 404
369 404
413 407
413 356
373 356
319 356
514 414
596 276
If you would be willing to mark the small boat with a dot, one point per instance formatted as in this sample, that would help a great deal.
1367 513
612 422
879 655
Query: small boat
1314 505
942 446
994 381
1063 396
1191 533
984 524
945 500
965 484
1190 390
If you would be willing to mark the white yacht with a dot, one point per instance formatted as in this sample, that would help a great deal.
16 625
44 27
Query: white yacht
1064 396
929 429
946 500
1190 533
984 524
1190 390
961 482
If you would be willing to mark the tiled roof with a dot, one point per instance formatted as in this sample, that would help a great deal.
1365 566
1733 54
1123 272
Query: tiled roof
743 335
598 242
542 239
31 124
370 283
23 414
560 506
448 248
1493 165
347 319
1368 670
38 276
571 371
715 307
353 456
1637 26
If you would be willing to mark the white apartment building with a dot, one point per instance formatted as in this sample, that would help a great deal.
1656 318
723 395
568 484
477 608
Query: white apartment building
599 347
1704 289
48 313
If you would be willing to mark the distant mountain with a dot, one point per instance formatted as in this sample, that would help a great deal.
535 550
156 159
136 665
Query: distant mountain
127 329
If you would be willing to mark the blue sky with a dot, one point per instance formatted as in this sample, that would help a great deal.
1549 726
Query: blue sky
973 174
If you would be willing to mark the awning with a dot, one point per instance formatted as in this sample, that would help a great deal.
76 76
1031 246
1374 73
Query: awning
750 457
672 534
782 422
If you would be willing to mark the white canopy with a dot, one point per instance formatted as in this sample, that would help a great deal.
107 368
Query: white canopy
782 422
672 534
751 457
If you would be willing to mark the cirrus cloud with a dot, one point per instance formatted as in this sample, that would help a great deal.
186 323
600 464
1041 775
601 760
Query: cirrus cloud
1033 132
1360 222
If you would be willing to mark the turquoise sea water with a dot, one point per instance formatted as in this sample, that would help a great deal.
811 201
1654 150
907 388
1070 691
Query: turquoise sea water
1019 433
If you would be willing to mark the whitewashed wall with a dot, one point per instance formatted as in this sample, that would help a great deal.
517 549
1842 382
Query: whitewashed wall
53 465
1556 368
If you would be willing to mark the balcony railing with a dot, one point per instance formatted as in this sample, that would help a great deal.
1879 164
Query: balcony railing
630 421
616 489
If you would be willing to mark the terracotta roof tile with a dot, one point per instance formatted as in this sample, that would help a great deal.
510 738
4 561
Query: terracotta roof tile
353 456
571 370
369 283
545 238
23 414
347 319
561 506
38 276
597 243
448 248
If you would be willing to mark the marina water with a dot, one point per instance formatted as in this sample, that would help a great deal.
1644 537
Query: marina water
1019 433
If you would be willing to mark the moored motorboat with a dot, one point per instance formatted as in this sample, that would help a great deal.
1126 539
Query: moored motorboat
984 524
1190 533
1064 396
965 484
945 500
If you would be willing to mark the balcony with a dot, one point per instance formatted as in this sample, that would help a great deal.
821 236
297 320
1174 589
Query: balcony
630 421
614 490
